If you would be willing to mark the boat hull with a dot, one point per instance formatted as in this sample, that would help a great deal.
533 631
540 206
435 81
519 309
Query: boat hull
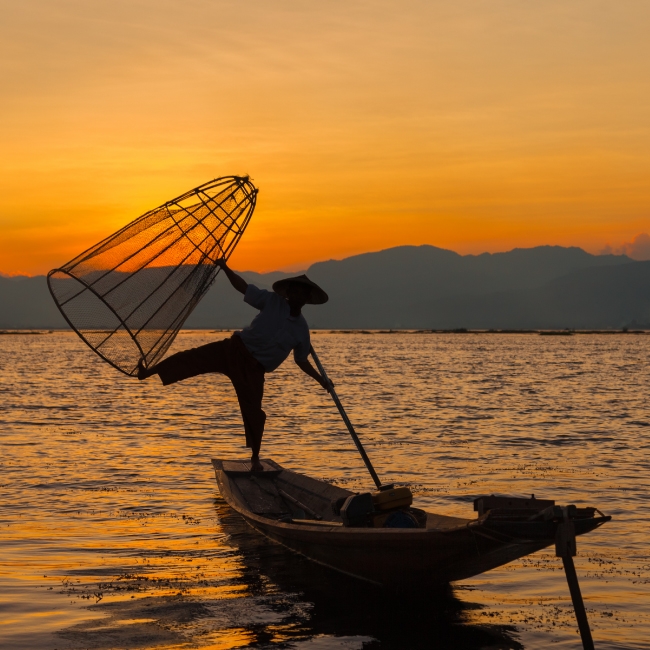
397 558
449 549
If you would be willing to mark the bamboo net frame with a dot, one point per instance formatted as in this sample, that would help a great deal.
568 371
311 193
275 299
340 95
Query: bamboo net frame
128 296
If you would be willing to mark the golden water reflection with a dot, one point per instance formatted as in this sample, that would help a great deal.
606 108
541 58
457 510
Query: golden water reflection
113 530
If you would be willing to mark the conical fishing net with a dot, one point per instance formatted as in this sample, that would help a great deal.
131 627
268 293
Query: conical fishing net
128 296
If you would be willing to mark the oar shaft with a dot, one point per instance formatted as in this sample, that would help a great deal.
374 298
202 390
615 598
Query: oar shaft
346 419
578 603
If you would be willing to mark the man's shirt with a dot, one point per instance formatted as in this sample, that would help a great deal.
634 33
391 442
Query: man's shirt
274 332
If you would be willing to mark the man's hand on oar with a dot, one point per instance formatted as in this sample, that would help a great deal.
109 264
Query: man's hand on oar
327 384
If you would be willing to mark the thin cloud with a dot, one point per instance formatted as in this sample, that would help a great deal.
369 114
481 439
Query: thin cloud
638 249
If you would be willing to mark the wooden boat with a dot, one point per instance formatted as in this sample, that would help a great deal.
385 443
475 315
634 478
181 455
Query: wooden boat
296 511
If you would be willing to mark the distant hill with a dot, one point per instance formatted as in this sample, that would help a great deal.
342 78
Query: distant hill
25 303
428 287
420 287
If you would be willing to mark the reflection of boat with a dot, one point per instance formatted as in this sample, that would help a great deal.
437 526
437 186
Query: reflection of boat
324 605
296 511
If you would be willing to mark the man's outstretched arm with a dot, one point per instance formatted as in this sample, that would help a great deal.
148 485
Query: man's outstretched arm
306 367
236 280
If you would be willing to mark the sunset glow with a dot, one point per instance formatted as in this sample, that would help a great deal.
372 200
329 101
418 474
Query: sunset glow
470 126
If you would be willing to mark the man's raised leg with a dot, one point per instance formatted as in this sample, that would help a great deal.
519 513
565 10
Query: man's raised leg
189 363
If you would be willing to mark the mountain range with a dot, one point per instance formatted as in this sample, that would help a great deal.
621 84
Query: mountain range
419 287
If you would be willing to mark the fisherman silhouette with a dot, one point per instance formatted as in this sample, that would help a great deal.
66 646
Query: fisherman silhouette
248 354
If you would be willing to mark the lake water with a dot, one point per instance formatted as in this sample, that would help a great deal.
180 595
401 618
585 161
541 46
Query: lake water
113 534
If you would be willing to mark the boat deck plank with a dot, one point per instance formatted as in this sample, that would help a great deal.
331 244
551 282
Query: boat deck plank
316 495
260 495
235 467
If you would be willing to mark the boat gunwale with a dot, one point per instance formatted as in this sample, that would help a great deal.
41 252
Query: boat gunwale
335 532
320 528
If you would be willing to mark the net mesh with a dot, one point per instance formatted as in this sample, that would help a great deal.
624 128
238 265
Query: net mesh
128 295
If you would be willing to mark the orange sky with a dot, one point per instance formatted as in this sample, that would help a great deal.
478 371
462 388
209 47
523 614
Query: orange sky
474 126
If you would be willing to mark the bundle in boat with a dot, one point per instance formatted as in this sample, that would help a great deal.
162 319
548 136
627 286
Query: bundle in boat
128 296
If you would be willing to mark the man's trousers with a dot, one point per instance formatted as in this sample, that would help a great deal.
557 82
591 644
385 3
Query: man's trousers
230 357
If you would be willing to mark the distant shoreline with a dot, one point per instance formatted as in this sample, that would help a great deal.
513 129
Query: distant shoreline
483 331
462 330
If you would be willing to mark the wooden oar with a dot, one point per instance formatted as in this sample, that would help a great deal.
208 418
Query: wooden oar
346 419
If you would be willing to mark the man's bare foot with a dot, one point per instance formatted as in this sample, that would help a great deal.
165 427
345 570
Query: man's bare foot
143 373
256 466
